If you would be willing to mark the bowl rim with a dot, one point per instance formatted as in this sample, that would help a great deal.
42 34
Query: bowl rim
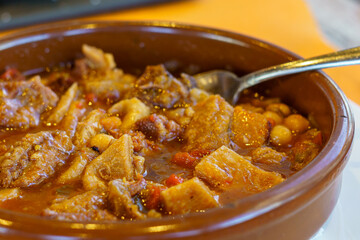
336 149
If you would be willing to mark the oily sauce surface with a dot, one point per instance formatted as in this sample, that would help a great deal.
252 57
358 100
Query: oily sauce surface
90 142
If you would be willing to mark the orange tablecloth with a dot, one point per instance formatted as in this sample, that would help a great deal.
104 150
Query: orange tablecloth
289 24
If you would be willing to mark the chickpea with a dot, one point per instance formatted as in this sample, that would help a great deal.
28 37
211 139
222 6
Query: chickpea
111 123
274 116
296 123
154 214
101 141
266 102
181 115
280 135
251 108
131 110
279 108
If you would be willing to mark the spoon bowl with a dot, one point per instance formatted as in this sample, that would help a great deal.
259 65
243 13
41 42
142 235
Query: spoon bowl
230 86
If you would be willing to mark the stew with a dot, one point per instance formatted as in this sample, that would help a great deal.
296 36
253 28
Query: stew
89 142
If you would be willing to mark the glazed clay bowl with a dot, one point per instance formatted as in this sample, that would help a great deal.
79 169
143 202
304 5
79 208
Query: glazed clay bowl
295 209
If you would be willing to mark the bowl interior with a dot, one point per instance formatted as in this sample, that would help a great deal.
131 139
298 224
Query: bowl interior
181 49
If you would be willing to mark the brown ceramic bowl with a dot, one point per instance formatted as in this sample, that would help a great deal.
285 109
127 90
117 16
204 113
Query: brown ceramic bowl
295 209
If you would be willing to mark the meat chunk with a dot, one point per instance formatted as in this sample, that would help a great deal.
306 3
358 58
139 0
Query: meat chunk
306 148
198 95
139 165
59 81
16 158
81 158
9 193
71 118
267 155
122 204
34 159
3 149
100 76
116 162
135 187
249 129
159 128
113 87
22 102
83 207
159 88
89 127
190 196
225 168
141 144
209 127
97 59
130 110
63 106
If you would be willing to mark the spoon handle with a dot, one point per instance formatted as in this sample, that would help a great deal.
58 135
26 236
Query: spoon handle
345 57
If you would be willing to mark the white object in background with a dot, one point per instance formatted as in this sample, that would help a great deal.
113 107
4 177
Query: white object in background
339 20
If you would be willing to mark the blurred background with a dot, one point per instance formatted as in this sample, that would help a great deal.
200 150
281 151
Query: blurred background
339 20
17 13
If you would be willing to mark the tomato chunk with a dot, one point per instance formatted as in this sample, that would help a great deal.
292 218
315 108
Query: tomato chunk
199 153
173 180
189 159
153 199
184 159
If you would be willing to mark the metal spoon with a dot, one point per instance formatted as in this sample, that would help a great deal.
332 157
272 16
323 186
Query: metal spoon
228 85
